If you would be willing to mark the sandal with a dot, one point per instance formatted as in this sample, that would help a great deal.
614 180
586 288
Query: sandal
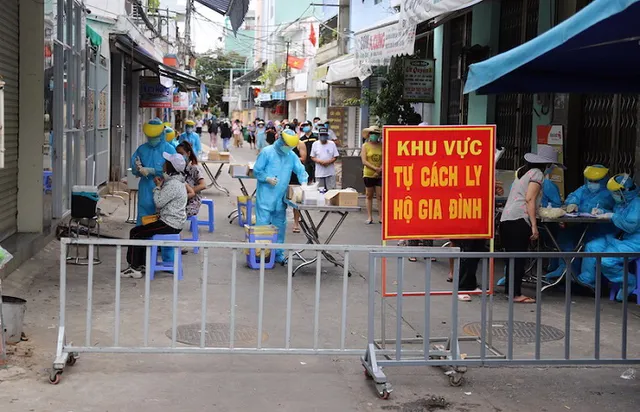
368 222
525 300
296 230
413 259
464 298
450 278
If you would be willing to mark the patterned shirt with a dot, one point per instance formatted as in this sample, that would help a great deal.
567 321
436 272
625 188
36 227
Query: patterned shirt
194 174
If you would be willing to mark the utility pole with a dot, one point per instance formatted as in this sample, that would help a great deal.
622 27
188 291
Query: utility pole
286 82
187 28
343 26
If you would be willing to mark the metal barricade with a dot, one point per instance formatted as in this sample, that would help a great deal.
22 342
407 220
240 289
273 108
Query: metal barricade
330 296
430 352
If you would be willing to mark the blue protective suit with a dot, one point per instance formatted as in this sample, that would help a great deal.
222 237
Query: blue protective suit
193 139
550 194
270 206
626 218
586 201
151 156
261 138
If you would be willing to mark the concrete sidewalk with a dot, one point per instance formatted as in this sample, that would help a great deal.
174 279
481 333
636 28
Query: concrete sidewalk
284 383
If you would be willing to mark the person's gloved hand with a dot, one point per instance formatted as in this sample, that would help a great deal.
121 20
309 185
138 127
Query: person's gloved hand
608 216
572 208
272 181
138 163
595 211
303 184
146 171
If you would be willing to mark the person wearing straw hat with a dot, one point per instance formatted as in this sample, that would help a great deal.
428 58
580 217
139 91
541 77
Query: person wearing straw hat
518 225
624 239
372 171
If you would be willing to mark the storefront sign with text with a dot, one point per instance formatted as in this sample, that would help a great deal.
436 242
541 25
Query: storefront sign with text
438 182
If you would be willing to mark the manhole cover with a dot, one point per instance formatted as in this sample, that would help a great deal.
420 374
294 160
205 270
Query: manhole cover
523 332
217 335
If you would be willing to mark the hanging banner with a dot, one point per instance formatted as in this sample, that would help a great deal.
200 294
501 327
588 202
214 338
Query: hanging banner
418 80
181 101
418 11
154 94
377 46
438 182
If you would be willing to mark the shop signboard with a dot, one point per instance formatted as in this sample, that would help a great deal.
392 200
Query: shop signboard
376 47
181 101
153 94
419 80
418 11
338 121
438 182
553 135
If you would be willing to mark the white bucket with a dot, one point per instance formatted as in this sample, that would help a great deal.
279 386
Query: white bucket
13 310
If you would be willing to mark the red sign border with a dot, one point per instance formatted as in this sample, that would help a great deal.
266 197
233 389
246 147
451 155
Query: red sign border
385 150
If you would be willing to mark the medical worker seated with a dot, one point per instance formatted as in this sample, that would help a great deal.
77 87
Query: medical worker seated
590 197
626 238
170 134
191 136
273 170
147 163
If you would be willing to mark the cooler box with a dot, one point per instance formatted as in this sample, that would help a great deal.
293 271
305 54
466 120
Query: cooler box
84 201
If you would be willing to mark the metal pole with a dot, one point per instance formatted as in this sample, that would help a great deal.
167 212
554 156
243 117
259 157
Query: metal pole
187 27
286 82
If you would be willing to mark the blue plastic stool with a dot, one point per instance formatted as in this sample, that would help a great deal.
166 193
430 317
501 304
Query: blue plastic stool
210 222
159 266
245 218
47 181
253 259
193 228
615 287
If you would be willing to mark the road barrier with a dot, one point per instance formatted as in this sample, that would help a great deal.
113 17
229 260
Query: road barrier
375 353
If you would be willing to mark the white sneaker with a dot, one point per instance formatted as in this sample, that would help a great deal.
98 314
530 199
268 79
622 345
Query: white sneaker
130 272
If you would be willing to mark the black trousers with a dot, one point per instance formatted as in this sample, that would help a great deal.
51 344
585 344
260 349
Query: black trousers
137 255
468 266
514 235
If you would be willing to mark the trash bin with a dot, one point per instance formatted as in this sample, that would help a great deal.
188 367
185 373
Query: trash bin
351 170
13 310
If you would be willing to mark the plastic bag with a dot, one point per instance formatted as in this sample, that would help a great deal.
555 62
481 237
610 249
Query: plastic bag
5 257
551 212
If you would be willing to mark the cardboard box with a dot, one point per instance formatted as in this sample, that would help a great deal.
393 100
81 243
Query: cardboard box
214 155
342 198
225 156
239 170
310 197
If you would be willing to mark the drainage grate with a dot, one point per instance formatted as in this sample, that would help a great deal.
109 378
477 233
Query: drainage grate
217 335
523 332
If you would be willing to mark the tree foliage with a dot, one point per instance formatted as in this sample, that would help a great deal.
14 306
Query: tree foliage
213 68
388 105
270 75
153 5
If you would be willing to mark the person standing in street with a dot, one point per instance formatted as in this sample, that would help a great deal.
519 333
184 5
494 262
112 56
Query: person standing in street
199 124
190 136
225 134
372 171
213 132
324 154
309 138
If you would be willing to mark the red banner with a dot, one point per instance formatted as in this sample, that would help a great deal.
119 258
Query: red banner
438 182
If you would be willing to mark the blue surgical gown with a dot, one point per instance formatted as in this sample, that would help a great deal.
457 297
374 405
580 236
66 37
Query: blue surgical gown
270 206
193 139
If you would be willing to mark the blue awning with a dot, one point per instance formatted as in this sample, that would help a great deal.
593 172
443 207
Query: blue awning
597 50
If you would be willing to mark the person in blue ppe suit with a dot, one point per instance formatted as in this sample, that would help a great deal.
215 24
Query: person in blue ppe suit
273 170
593 196
147 163
170 134
191 136
626 238
261 135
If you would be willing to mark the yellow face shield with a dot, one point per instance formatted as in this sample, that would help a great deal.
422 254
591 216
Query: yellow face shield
152 130
290 138
595 173
190 123
169 134
613 185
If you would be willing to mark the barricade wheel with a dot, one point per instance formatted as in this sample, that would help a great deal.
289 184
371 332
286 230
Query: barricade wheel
71 360
384 394
367 374
55 377
456 379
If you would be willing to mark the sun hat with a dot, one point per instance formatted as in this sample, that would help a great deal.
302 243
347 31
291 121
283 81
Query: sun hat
373 129
546 154
176 160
